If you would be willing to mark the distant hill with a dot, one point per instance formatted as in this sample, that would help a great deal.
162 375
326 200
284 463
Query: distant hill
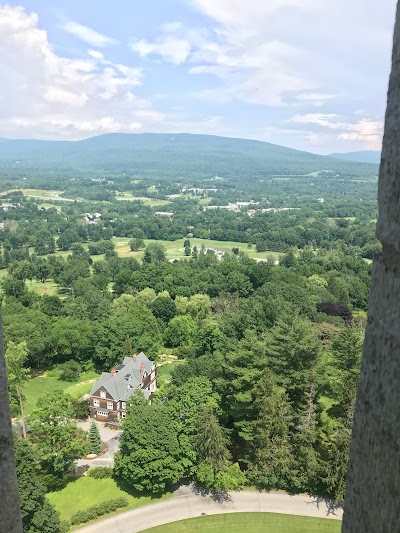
170 155
367 156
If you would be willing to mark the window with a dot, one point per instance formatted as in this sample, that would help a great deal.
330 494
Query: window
123 405
102 394
96 403
110 405
102 413
123 415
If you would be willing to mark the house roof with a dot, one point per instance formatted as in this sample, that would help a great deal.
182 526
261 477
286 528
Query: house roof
128 377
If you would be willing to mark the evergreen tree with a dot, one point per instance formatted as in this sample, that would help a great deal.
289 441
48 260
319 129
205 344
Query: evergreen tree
94 445
271 459
210 441
346 352
38 515
293 350
305 442
242 369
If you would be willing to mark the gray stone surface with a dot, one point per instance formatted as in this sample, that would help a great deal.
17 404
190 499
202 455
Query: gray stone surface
187 502
372 502
110 437
10 515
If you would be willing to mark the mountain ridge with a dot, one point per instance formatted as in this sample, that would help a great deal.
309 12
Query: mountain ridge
168 154
363 156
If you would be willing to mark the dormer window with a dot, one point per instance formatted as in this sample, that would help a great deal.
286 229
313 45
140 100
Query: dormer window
102 394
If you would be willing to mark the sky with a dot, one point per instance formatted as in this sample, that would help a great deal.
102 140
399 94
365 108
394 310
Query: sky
308 74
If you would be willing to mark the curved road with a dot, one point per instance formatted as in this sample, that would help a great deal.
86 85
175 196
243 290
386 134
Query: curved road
187 503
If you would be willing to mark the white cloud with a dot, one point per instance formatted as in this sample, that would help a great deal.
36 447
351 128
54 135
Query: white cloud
365 131
47 95
88 35
95 54
170 48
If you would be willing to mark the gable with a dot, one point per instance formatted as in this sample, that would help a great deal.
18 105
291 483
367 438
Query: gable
102 389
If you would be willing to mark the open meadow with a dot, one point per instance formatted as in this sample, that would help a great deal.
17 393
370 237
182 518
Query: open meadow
50 381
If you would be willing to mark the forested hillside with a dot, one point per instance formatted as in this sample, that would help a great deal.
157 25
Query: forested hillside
366 156
170 156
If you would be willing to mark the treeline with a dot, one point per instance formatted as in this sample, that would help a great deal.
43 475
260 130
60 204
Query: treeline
29 231
88 323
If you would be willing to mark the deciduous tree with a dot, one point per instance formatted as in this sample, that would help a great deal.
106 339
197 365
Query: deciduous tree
18 375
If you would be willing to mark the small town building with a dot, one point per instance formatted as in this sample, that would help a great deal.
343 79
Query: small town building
110 394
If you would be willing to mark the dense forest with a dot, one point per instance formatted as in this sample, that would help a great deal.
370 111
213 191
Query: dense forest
268 328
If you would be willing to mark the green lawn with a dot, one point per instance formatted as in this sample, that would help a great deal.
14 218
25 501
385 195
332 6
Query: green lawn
41 194
251 523
40 385
48 287
175 248
86 491
151 202
164 371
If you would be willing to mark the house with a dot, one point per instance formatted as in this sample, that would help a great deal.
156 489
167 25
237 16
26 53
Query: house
92 218
111 392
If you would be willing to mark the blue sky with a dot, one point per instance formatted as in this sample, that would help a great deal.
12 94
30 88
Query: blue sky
310 74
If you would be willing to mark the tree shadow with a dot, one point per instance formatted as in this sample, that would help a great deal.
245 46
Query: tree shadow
332 506
216 496
123 485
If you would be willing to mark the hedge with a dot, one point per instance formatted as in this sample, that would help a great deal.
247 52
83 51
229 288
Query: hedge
100 472
98 510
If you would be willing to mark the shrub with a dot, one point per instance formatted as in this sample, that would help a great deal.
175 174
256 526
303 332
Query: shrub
334 309
98 510
100 472
70 370
81 408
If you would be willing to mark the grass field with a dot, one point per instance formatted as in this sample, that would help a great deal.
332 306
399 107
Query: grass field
48 287
251 523
86 491
40 194
45 383
151 202
164 371
174 249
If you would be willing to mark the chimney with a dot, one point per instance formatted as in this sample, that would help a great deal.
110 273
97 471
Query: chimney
113 371
142 368
134 357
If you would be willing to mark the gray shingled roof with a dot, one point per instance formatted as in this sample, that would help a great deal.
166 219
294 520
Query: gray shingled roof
121 385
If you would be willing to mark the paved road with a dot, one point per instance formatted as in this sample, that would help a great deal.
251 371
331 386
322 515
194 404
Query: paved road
186 503
110 437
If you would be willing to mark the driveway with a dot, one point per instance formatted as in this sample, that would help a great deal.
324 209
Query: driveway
110 437
188 503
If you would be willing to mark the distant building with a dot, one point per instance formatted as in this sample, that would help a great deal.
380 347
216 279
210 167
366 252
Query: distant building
92 218
110 394
164 214
229 207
